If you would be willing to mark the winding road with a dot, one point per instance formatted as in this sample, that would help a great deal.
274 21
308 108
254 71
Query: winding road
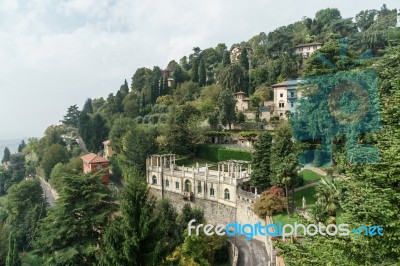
48 194
251 253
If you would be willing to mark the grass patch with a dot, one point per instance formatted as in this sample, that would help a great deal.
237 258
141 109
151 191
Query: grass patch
285 219
310 176
308 194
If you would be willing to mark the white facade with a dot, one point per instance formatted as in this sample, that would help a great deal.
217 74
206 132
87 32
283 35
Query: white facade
286 95
242 102
307 49
197 182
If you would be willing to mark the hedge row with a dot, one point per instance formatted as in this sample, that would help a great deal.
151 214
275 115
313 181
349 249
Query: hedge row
218 153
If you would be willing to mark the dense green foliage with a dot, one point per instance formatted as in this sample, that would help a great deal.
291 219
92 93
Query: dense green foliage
260 161
70 234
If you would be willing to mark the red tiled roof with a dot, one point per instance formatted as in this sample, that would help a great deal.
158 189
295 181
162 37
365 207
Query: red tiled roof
93 158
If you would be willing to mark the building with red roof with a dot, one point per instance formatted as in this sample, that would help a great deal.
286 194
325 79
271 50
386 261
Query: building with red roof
94 163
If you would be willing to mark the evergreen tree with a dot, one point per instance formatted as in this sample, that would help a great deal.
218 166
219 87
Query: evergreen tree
226 105
118 102
84 128
260 161
71 232
72 116
234 78
226 61
243 59
195 70
6 156
17 167
284 158
87 107
125 88
161 87
99 133
183 132
202 72
136 236
25 206
135 145
21 146
165 83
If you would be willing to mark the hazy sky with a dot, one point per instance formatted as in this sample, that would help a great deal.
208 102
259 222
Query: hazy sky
54 54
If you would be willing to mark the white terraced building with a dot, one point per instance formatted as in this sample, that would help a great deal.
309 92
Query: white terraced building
220 185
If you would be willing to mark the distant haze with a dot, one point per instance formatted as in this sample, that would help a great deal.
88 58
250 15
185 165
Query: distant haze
58 53
11 144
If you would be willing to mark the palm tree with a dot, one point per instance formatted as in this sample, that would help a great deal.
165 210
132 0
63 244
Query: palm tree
327 201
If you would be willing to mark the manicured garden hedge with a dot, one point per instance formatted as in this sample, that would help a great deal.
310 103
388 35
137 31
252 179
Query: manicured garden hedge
218 153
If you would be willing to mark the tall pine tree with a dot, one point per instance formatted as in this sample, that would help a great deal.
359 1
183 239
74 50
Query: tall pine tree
202 72
136 236
260 160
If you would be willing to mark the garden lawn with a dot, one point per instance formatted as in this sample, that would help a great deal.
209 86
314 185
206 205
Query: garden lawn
310 176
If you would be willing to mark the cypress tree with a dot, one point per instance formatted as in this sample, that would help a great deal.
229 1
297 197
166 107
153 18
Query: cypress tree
195 70
202 73
261 160
243 59
7 154
226 61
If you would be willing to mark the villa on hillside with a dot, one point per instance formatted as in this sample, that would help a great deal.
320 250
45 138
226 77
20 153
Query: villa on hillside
107 150
242 102
234 54
286 95
220 185
94 163
307 49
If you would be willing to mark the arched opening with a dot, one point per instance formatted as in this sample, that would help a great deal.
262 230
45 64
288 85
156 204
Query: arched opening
226 194
188 185
154 180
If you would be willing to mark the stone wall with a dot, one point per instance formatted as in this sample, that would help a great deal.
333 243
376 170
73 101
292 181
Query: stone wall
214 212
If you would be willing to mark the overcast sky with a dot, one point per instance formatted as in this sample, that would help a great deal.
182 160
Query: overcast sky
54 54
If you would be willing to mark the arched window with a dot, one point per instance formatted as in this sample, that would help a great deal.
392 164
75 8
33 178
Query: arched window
212 191
226 194
177 185
167 183
188 185
154 180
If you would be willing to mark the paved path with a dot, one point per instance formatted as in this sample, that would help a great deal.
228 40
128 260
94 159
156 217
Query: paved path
251 253
82 145
48 193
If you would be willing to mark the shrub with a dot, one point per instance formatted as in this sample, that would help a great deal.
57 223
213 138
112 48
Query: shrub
138 120
271 201
146 119
153 119
240 118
